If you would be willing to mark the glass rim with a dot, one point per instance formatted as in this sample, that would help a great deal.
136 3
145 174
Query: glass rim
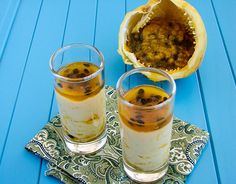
76 45
143 70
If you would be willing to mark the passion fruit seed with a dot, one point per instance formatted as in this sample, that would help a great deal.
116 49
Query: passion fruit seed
131 123
70 75
71 136
75 71
143 101
149 100
67 71
132 119
138 99
81 75
165 98
136 120
70 87
60 85
86 64
140 121
86 71
78 75
157 96
141 92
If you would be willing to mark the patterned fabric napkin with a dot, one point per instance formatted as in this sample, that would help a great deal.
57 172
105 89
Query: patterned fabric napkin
105 166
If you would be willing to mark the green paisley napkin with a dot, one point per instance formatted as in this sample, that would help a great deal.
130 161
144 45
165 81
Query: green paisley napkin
105 166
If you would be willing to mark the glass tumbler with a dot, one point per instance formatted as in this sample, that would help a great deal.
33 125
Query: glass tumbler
78 70
145 110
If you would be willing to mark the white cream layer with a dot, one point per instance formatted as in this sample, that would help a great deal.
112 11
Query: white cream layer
75 116
146 151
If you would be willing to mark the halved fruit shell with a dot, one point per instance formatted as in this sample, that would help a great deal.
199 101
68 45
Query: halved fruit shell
174 10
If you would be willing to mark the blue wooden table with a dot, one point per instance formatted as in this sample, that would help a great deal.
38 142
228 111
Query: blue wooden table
30 30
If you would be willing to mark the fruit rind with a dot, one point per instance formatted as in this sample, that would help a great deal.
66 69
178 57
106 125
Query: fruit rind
139 17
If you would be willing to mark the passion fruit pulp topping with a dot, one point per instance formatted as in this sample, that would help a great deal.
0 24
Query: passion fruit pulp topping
146 96
145 120
164 44
79 90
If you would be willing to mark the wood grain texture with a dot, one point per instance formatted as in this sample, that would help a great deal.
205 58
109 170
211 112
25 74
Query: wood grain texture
31 30
13 64
33 103
225 16
79 29
218 94
8 13
109 17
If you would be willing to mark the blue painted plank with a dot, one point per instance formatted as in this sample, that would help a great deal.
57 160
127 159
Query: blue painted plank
131 5
219 97
109 17
4 7
43 179
13 62
188 97
9 10
81 22
225 14
33 104
189 107
79 29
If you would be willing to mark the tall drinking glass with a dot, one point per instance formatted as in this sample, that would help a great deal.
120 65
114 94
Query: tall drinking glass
146 114
79 87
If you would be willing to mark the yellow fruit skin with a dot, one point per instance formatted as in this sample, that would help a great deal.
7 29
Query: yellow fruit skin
139 17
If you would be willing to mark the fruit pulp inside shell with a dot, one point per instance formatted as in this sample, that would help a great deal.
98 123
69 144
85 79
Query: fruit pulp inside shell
162 43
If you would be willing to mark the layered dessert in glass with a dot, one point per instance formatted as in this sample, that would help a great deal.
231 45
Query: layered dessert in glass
80 94
81 105
146 115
